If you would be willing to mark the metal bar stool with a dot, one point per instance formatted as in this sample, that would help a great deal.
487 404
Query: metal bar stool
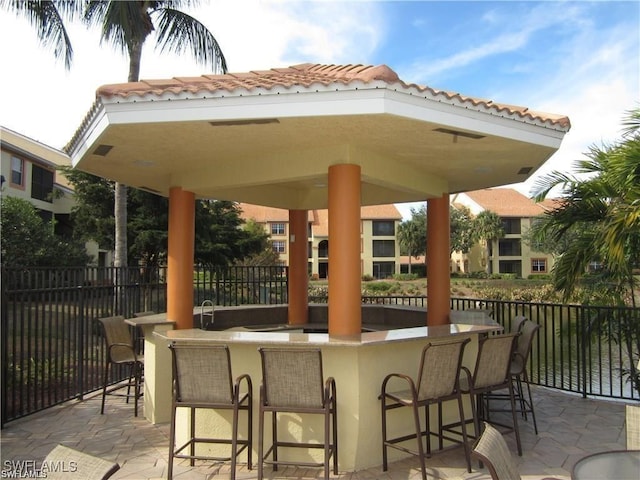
438 381
491 374
121 351
202 380
292 382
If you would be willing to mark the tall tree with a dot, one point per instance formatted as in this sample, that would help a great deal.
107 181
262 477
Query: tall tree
127 25
487 226
461 229
26 240
48 19
412 234
600 210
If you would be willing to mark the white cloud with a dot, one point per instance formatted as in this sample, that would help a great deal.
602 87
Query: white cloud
48 104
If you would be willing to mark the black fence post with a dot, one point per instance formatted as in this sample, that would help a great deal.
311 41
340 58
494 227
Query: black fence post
80 344
582 342
4 334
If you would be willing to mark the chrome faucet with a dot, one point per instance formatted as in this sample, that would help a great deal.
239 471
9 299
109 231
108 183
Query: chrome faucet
205 304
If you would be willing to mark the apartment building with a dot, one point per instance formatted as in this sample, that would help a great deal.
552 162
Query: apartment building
510 253
379 248
29 171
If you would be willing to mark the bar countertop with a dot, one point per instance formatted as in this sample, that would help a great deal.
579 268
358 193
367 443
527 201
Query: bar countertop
293 336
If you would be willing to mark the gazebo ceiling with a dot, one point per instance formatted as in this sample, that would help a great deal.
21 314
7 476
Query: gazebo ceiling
269 137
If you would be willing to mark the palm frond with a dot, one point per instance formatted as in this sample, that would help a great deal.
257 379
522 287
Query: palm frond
179 32
47 18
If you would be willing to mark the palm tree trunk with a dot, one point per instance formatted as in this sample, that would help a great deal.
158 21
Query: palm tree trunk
120 208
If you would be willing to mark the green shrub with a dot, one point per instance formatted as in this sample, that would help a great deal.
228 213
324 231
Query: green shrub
378 287
367 278
405 277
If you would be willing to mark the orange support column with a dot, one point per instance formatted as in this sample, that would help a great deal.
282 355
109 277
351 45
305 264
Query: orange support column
180 257
438 261
298 269
345 310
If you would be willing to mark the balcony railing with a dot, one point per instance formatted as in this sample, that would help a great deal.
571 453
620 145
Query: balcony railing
52 350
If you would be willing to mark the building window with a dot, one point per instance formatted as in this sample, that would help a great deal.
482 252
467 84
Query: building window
384 228
278 229
384 248
41 184
539 265
279 246
511 226
323 249
17 171
383 269
510 266
509 247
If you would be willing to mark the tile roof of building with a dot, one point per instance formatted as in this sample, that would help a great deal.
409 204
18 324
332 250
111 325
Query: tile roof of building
312 78
319 218
506 202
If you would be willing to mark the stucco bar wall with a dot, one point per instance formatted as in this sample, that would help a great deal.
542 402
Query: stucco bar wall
358 363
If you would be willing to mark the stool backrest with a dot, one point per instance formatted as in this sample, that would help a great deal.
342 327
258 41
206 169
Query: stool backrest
292 377
523 346
118 338
494 360
492 450
202 373
440 368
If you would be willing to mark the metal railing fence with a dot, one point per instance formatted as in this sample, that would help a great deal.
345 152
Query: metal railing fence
52 350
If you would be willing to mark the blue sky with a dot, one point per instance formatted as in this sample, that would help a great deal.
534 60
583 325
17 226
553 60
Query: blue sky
577 58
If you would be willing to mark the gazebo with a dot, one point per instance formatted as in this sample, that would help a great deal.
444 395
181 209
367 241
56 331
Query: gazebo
309 136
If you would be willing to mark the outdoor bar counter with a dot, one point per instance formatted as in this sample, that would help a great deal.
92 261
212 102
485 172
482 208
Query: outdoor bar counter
358 364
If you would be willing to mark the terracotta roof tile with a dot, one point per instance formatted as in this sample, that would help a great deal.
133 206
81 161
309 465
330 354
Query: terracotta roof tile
305 76
506 202
319 218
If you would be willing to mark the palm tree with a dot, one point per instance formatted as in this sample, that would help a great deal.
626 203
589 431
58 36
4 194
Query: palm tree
487 226
600 212
600 209
47 17
127 25
412 234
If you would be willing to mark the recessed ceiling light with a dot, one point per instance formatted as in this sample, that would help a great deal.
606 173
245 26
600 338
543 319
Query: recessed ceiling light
144 163
457 133
233 123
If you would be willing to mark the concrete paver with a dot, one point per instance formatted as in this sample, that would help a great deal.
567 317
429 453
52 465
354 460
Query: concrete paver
569 428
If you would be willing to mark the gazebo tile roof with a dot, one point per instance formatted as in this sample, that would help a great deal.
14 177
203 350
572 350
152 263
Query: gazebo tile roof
305 76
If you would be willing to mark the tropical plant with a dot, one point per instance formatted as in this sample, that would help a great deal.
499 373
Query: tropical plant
461 229
127 26
600 210
487 226
26 240
412 234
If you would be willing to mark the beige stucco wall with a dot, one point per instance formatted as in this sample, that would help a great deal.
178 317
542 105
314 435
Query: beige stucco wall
358 388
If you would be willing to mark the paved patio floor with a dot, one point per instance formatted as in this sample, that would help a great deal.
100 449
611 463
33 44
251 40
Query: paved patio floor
569 428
